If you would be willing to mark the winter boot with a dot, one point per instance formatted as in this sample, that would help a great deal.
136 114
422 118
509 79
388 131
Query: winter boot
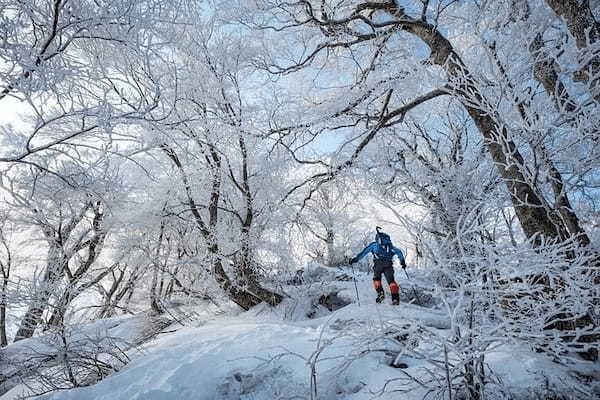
380 296
395 299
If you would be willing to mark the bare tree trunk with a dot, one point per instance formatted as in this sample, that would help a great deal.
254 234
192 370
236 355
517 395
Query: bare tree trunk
154 296
586 30
116 293
508 220
60 308
245 299
545 72
33 315
5 266
154 302
3 339
330 248
562 202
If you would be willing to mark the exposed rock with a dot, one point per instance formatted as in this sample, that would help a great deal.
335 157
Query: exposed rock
332 301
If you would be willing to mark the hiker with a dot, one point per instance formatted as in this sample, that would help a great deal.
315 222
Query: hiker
383 251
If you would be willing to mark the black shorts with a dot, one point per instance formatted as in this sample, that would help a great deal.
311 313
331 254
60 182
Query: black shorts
385 267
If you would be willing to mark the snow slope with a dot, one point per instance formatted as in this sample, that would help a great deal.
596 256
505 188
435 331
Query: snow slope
257 357
276 354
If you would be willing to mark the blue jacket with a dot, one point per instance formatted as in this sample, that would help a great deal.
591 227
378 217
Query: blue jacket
377 254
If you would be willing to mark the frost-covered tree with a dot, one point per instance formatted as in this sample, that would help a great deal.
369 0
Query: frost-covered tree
398 56
227 180
81 72
377 35
325 222
72 223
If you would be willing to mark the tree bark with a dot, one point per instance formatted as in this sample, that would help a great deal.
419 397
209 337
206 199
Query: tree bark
329 240
33 316
154 292
3 338
110 302
545 72
5 267
586 30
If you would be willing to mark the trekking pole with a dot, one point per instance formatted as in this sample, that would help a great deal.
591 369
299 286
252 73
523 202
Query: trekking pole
413 288
355 285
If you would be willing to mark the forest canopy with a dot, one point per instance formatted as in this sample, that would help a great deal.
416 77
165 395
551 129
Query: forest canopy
155 152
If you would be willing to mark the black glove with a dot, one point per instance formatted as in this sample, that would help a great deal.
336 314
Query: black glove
353 260
403 265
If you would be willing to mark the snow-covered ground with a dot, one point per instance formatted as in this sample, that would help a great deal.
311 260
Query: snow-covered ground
280 353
